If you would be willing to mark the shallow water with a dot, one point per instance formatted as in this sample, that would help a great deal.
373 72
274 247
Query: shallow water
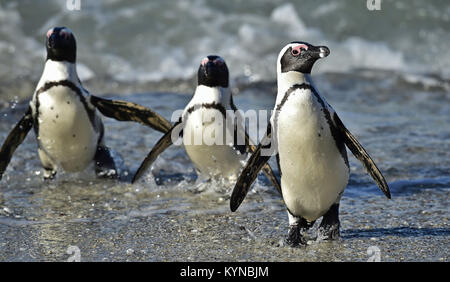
404 123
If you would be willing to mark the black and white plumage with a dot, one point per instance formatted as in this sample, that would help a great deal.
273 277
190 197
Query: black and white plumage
67 125
310 141
206 111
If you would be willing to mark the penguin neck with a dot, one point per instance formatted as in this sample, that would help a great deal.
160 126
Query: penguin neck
59 70
286 80
206 95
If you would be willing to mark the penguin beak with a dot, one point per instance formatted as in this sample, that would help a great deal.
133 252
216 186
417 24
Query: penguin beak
208 68
319 52
324 51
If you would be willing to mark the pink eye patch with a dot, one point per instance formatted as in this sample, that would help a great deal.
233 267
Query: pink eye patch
297 49
218 62
65 33
49 32
204 61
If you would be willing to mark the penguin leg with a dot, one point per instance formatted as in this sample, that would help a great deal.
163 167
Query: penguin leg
297 229
47 164
329 227
105 166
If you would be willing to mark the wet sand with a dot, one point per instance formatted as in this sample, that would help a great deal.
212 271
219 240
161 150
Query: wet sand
115 222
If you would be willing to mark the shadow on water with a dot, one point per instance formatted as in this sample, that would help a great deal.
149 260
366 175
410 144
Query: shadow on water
403 232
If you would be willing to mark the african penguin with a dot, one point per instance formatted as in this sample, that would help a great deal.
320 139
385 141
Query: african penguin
212 99
67 125
310 141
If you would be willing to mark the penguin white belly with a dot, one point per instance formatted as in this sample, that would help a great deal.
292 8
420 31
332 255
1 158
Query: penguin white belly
313 171
202 137
66 134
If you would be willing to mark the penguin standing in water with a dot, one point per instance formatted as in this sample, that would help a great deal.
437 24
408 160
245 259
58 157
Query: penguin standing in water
207 110
68 128
310 141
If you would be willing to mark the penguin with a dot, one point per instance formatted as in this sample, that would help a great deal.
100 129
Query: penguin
309 141
212 98
65 116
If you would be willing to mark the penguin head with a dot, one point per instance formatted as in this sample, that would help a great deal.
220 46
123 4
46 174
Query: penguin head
300 57
61 45
213 72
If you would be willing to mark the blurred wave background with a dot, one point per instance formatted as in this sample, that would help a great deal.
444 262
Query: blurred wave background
142 41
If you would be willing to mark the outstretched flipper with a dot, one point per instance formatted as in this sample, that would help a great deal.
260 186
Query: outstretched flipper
128 111
160 146
360 153
14 139
250 172
252 148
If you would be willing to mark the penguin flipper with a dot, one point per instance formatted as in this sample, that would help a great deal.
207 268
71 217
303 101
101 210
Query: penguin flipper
250 172
267 169
162 144
128 111
14 139
360 153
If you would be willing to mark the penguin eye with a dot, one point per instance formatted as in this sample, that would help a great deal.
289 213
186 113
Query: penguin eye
295 52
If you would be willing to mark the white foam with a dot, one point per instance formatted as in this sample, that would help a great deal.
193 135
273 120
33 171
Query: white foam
176 35
326 8
355 52
425 81
84 73
286 14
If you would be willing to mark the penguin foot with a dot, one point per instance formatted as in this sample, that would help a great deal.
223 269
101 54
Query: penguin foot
111 174
329 232
295 236
49 174
329 227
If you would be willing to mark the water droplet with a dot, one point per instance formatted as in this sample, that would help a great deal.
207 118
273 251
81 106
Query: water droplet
7 210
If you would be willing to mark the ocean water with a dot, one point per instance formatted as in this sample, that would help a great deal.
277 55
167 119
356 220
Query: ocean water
388 77
152 40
